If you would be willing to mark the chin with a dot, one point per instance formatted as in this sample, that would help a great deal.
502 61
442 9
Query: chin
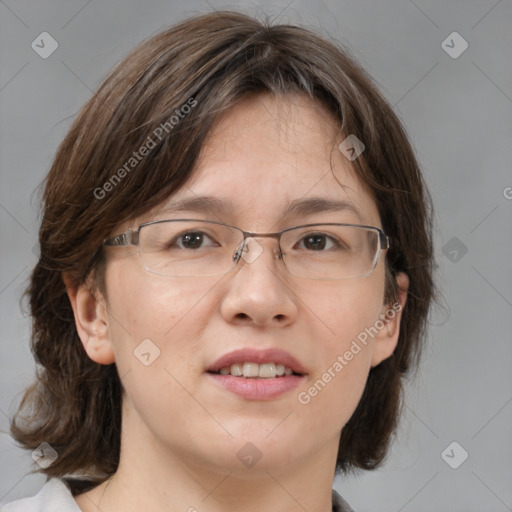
250 456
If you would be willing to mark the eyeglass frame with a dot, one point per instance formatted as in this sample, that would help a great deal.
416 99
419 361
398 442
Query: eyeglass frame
132 237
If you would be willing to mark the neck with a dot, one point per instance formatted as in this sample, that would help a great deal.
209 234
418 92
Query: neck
154 477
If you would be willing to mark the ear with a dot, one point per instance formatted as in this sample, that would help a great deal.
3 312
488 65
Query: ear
386 339
91 320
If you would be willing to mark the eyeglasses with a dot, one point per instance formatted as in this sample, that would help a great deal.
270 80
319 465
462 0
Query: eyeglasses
188 247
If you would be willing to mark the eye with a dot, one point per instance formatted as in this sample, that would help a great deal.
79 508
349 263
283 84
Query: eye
191 240
318 242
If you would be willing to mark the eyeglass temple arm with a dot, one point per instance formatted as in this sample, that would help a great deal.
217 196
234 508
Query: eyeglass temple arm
123 239
385 241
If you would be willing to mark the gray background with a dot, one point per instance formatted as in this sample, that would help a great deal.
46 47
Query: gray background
458 113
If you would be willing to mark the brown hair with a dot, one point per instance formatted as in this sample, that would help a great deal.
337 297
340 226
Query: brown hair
211 61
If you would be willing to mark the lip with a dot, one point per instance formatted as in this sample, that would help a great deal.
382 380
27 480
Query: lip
258 389
248 355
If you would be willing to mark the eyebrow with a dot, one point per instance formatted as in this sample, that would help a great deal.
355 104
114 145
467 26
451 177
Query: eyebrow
311 205
298 207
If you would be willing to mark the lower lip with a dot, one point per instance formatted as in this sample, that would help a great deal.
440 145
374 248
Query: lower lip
257 389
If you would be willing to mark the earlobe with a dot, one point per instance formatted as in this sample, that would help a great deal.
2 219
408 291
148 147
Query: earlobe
387 337
91 320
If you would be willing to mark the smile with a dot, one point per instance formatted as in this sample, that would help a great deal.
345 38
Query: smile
255 370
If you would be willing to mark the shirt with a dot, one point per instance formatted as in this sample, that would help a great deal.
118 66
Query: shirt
55 496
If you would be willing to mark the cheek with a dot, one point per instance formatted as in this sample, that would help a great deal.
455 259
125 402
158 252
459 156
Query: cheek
155 325
345 309
330 397
332 393
155 321
148 305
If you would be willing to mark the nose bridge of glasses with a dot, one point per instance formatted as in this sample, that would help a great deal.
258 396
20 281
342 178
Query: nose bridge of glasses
251 248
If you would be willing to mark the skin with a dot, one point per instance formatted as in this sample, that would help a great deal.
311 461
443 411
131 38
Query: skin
181 433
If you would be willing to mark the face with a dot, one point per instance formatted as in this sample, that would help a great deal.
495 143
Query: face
262 155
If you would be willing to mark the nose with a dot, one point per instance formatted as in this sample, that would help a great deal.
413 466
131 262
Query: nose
259 292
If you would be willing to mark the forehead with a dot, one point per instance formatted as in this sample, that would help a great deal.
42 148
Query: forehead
274 159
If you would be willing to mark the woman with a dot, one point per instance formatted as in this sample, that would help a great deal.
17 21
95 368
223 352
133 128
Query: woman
235 273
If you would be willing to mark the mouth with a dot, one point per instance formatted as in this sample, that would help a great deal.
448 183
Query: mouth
250 370
257 374
257 364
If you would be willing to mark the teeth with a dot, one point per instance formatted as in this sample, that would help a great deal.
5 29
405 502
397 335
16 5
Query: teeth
250 369
267 370
236 369
255 370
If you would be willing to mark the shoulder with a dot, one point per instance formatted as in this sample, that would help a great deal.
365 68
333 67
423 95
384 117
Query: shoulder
54 496
339 504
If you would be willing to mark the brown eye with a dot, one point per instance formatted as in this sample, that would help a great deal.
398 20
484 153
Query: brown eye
192 240
315 242
318 242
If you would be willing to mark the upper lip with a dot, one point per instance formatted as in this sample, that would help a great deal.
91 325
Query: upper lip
248 355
